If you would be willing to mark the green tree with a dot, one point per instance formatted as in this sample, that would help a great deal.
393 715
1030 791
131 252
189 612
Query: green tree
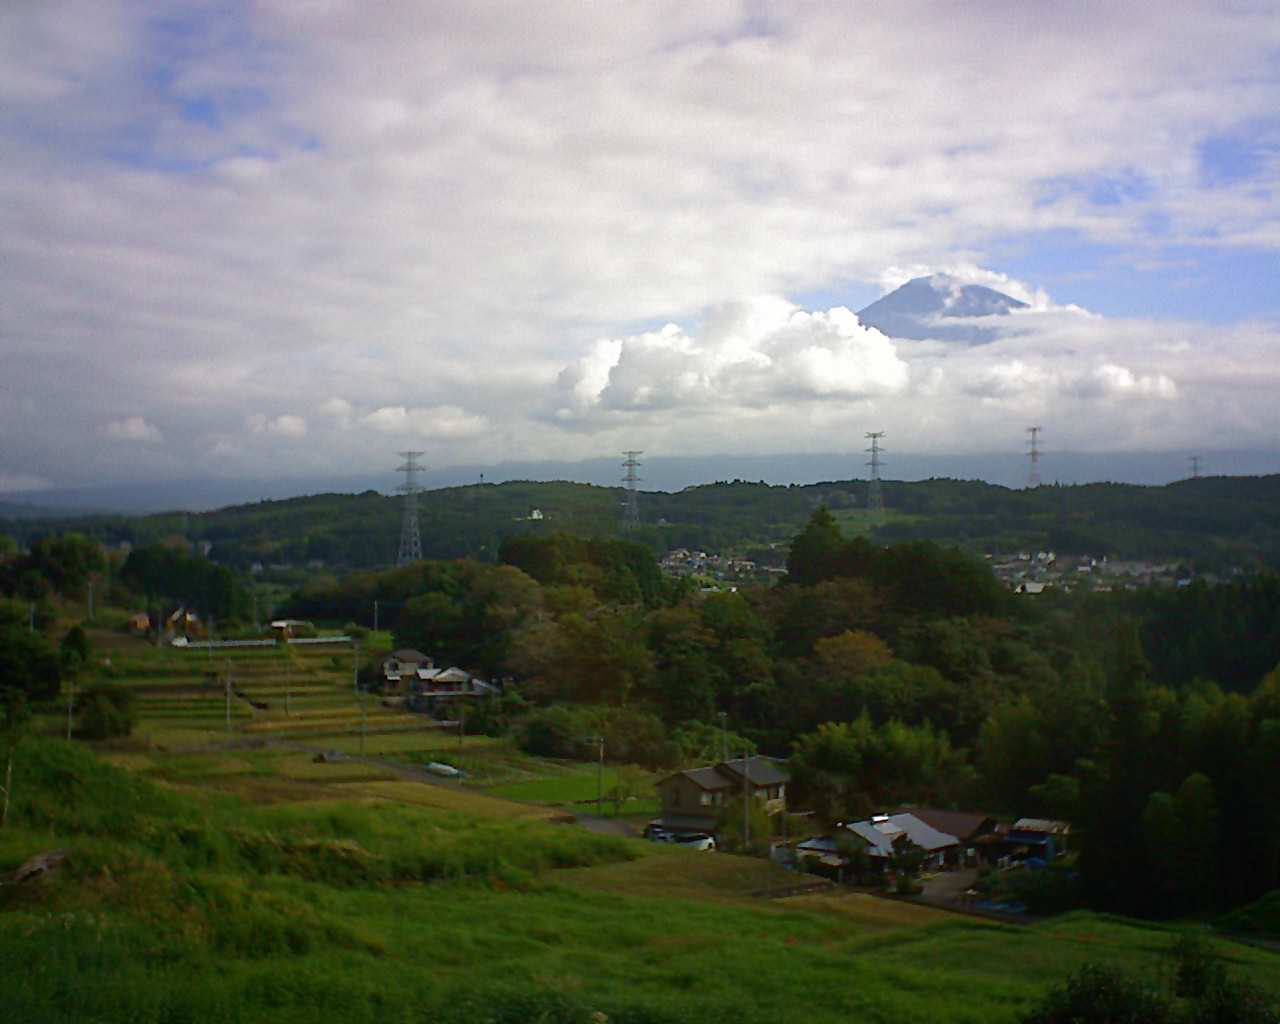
28 663
106 712
736 809
816 552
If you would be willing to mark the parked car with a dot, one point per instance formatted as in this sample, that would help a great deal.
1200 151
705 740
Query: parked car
696 841
448 771
657 834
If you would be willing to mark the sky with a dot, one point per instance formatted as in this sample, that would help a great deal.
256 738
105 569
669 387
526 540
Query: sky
286 239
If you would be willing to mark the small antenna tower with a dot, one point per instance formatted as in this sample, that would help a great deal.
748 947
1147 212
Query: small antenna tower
410 539
1033 477
1195 467
875 497
631 502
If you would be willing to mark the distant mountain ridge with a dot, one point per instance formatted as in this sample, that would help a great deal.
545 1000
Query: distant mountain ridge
661 473
1220 523
928 307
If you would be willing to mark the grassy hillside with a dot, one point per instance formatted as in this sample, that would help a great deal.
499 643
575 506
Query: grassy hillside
352 900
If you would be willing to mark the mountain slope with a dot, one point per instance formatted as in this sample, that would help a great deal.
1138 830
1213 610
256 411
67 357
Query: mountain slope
936 307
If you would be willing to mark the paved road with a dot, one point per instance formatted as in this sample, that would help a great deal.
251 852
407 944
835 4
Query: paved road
606 826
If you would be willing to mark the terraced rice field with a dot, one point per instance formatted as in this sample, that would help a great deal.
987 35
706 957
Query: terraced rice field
194 697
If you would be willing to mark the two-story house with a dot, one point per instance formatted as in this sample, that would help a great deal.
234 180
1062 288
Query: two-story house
692 800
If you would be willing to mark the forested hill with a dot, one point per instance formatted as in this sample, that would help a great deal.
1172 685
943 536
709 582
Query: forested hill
1214 522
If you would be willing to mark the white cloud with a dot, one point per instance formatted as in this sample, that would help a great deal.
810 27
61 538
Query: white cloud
339 409
442 422
1120 380
133 428
287 425
438 208
749 355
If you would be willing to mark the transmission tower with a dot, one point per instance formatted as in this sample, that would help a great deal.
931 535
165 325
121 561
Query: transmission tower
875 497
410 540
1195 467
1033 477
631 502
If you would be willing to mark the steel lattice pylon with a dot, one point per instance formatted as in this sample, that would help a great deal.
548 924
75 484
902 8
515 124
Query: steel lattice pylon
631 501
875 497
410 539
1033 477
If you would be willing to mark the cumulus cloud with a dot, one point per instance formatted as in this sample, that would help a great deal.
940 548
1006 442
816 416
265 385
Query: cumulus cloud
749 354
963 273
339 409
287 425
434 212
441 422
132 428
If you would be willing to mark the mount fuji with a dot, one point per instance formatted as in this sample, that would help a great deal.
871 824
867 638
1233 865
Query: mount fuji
936 308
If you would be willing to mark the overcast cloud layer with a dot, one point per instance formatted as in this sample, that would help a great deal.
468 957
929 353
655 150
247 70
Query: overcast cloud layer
286 238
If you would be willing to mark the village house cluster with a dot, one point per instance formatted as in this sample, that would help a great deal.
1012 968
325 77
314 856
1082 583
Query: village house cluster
723 568
1034 572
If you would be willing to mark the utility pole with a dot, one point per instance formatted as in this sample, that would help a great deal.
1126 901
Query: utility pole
228 672
355 682
364 722
746 807
600 778
288 681
599 741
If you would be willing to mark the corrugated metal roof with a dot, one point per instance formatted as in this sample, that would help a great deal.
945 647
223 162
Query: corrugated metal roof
961 824
881 834
1047 826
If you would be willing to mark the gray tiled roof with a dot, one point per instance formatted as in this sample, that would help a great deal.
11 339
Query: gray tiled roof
708 778
762 771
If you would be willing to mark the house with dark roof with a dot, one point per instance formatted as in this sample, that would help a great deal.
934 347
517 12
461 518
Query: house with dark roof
693 799
415 675
400 668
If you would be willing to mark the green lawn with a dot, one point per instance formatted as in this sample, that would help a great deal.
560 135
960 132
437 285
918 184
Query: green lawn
579 786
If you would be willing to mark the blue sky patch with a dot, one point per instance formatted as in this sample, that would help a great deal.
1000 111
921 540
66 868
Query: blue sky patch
1231 159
